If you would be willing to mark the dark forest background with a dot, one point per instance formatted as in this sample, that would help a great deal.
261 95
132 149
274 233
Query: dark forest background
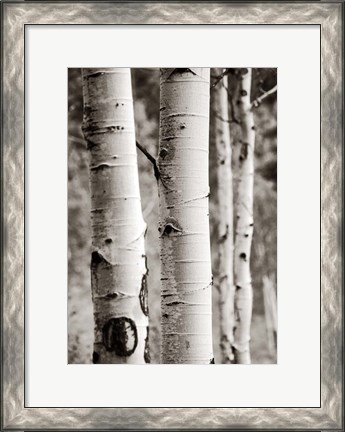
145 83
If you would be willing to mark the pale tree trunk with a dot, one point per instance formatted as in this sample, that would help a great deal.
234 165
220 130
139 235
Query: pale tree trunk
245 223
118 261
186 277
225 280
270 304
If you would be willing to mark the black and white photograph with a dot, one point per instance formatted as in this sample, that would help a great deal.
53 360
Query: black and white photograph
172 215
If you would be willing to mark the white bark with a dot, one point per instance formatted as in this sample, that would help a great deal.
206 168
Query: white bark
184 224
225 280
118 263
245 224
270 304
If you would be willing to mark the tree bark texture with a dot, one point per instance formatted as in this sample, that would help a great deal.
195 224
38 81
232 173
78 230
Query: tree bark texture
225 279
118 261
245 224
186 277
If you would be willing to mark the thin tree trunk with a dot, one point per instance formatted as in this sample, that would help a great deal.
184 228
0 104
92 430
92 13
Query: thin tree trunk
270 304
245 224
184 223
118 262
225 280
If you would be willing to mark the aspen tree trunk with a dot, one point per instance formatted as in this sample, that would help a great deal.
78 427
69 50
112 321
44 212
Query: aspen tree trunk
184 223
245 224
270 304
118 262
225 281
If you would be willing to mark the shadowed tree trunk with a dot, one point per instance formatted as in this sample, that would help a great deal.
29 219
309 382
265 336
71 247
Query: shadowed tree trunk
186 277
118 262
225 279
245 223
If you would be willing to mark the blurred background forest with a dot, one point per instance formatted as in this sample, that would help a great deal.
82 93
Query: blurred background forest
145 83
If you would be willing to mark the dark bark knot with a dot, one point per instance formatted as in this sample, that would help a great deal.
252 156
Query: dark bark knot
114 128
147 356
97 258
170 227
243 93
95 75
243 256
183 70
224 237
163 153
244 151
120 335
143 296
100 167
212 361
172 71
175 303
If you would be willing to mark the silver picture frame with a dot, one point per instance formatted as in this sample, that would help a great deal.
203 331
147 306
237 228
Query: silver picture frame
329 15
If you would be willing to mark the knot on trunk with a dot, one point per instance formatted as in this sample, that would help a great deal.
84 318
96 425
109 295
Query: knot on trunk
143 295
166 73
120 335
244 151
243 256
163 152
170 227
147 356
224 237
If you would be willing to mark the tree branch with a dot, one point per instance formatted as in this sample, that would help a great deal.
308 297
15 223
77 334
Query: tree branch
258 100
220 77
151 159
222 119
77 140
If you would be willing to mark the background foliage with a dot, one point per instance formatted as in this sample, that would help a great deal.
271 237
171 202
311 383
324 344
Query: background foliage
145 84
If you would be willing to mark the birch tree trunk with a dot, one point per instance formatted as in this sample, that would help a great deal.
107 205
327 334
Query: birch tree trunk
225 280
186 277
245 224
118 261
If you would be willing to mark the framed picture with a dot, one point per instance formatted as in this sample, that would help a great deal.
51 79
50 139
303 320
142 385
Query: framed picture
70 74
